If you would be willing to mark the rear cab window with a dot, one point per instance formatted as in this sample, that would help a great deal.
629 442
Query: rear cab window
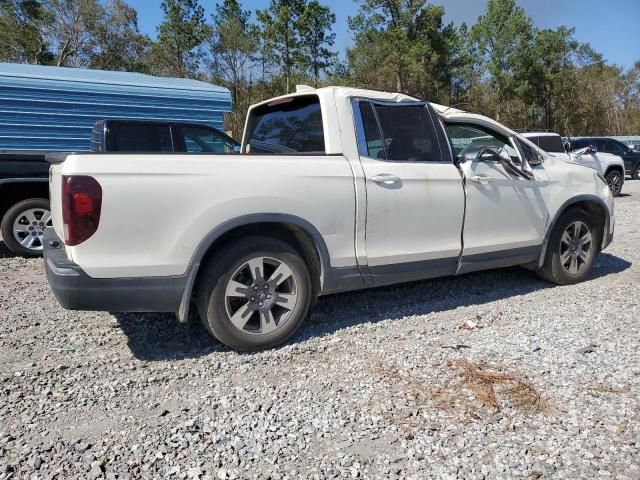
288 125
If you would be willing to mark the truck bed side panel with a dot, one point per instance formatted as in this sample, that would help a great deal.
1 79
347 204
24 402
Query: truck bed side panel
157 209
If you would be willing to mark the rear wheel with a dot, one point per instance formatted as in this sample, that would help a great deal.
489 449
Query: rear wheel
255 293
572 248
636 173
614 180
23 226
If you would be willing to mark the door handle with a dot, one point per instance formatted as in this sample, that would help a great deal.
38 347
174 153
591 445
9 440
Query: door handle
481 179
385 179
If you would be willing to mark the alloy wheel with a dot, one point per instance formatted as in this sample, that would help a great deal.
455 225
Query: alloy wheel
29 226
260 295
576 247
614 181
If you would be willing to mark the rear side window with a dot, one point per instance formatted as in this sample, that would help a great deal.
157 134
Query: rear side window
600 144
290 125
198 140
405 132
144 138
548 143
372 141
579 144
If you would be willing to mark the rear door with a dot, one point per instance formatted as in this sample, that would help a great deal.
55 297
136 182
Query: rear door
506 214
415 200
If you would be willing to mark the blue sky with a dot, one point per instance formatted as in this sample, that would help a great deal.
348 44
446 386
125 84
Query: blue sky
611 27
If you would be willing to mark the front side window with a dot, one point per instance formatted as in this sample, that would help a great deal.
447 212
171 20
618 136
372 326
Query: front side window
144 138
532 156
406 132
197 140
468 140
290 125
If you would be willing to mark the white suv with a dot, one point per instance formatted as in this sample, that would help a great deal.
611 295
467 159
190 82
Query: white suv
610 166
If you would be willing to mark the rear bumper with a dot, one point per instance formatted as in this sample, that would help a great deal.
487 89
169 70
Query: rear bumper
75 290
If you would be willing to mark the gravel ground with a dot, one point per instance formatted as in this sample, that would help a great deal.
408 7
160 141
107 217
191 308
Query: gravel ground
490 375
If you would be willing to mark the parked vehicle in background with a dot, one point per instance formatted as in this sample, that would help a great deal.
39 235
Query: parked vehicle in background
633 144
170 137
630 156
370 189
610 166
52 109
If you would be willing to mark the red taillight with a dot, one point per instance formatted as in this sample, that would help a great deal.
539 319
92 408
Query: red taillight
81 203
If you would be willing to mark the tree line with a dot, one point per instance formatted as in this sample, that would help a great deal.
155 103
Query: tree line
502 66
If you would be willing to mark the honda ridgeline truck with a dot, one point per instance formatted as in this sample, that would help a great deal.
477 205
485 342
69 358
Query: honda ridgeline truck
335 189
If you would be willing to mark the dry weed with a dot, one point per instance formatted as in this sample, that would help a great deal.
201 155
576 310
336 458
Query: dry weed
487 382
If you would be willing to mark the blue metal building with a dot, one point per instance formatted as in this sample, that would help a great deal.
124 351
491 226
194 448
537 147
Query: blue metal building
54 108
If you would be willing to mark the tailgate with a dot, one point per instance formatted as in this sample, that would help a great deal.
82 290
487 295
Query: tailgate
55 192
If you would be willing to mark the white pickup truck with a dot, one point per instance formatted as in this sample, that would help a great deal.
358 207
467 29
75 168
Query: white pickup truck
335 189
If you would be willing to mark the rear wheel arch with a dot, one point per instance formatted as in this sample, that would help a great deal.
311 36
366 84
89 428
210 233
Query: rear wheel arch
295 231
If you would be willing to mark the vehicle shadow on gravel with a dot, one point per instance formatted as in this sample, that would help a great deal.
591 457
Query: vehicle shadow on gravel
156 336
159 336
420 298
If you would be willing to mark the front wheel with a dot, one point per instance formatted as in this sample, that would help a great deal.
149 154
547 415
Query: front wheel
23 226
614 181
255 293
572 248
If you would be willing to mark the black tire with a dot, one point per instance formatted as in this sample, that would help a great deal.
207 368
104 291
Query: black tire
216 308
553 269
615 180
13 214
636 173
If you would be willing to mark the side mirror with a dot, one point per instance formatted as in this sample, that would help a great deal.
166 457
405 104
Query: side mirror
236 149
567 146
591 150
469 157
535 162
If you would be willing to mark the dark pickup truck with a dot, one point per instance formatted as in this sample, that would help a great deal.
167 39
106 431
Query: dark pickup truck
24 188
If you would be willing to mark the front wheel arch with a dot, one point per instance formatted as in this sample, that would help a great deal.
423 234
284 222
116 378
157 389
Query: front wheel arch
590 204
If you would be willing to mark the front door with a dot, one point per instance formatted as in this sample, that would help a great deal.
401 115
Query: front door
506 214
415 199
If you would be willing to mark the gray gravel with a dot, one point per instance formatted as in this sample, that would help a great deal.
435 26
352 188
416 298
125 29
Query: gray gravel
490 375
